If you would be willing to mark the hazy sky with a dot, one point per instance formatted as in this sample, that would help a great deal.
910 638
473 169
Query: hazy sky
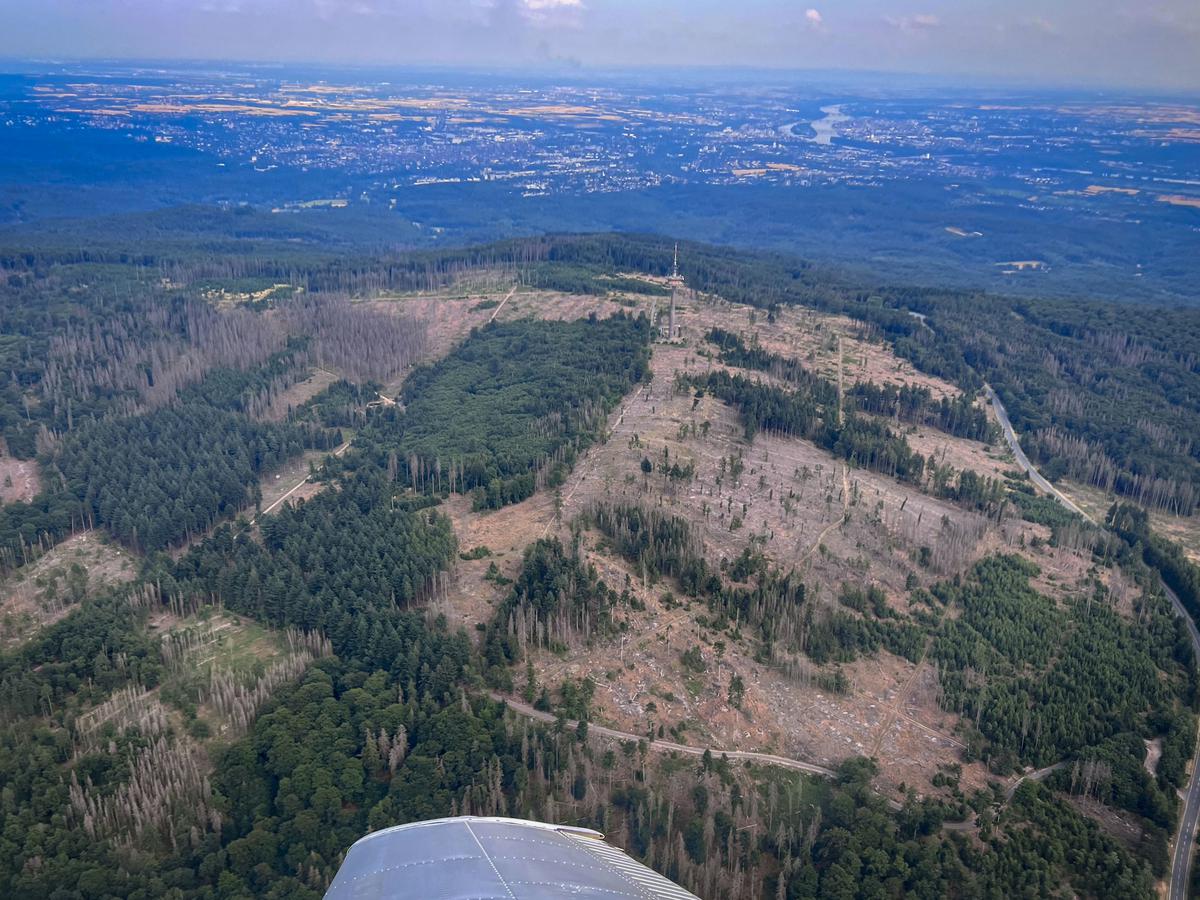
1140 43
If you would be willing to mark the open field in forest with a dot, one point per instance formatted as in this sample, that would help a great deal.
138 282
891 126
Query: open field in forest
221 668
19 480
227 299
281 482
218 671
1184 530
299 393
214 640
43 592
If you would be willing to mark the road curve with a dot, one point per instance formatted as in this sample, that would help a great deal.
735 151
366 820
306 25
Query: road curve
783 762
1185 838
1039 775
1035 476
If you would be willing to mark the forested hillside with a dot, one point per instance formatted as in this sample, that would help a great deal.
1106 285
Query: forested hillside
255 701
386 734
1100 395
178 473
510 409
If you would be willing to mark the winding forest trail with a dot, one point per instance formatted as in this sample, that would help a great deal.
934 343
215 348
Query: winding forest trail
769 759
1039 775
1185 837
836 523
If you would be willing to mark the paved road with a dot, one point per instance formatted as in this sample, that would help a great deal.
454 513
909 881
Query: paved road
1023 461
668 746
1185 839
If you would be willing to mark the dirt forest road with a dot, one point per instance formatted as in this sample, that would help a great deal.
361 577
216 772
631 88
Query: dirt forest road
783 762
303 481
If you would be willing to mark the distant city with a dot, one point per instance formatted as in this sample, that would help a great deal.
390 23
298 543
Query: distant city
553 138
1008 190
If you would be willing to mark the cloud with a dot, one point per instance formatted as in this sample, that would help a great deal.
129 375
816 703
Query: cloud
814 18
915 23
551 12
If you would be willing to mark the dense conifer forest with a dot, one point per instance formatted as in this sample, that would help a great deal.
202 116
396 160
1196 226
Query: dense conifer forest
510 409
178 472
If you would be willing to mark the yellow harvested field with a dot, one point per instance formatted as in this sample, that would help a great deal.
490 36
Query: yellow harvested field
1097 189
1180 200
320 89
570 111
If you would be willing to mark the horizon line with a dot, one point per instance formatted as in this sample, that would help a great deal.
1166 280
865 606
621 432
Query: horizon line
958 80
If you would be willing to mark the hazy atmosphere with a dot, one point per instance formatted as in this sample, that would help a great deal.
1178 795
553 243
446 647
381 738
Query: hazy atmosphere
1101 42
672 449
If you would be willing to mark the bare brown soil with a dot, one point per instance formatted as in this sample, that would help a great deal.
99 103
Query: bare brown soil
792 498
792 501
506 533
812 338
992 461
38 594
19 480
